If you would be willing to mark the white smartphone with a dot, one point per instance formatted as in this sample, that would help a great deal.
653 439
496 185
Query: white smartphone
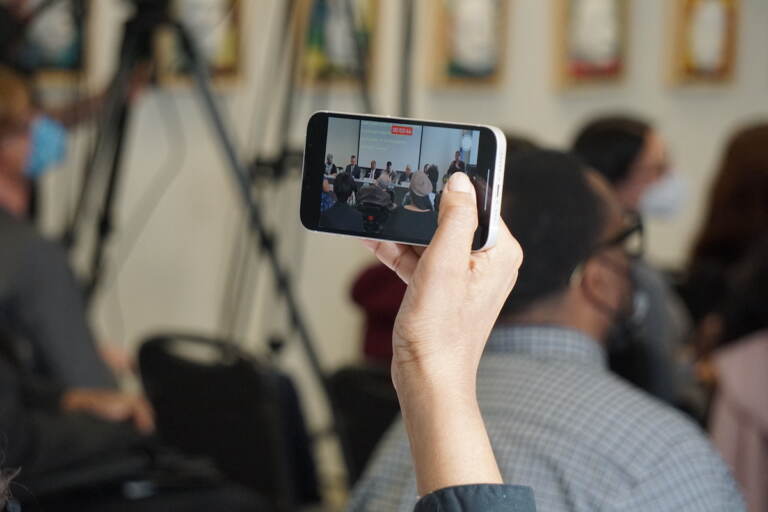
382 177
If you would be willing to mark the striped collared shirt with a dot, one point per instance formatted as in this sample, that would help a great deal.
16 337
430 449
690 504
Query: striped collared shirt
580 437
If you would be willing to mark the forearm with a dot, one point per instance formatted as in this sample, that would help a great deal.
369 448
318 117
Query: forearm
449 443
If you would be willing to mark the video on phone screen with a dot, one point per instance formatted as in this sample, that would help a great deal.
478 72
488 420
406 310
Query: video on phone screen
386 179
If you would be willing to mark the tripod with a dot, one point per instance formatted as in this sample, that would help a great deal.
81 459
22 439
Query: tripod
140 30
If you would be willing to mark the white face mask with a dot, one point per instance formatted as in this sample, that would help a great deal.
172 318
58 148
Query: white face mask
665 198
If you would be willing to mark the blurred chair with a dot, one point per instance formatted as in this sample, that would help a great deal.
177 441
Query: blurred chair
366 404
374 217
213 399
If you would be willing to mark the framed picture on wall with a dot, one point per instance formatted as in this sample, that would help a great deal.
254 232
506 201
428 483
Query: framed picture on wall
705 41
592 41
470 41
336 40
57 42
216 27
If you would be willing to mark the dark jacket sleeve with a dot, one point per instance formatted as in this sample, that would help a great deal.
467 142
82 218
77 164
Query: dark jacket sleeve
38 438
479 498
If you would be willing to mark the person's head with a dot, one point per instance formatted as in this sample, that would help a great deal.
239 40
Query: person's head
426 167
420 188
634 158
15 140
389 165
572 230
329 158
373 164
343 187
353 160
457 156
408 170
384 179
738 203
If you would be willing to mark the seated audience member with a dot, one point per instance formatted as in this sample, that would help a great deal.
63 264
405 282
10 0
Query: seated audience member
377 193
328 198
633 157
433 174
353 169
330 167
558 420
372 171
736 217
445 323
42 308
341 215
738 421
405 177
457 165
417 219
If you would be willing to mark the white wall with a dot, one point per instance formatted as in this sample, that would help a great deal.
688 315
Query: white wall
343 135
172 276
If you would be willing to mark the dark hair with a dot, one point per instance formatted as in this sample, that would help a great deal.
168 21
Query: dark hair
745 311
420 202
738 203
519 143
353 156
343 186
389 164
610 145
556 215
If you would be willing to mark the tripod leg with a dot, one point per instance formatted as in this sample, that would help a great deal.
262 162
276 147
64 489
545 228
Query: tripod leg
265 237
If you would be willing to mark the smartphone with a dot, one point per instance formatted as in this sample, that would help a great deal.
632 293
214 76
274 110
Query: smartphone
382 177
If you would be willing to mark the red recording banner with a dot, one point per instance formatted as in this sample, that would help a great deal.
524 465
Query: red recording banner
401 130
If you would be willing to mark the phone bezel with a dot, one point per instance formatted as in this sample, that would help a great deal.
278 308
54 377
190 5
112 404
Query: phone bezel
491 155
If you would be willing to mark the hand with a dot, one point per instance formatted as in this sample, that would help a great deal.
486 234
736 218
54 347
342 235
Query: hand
453 299
454 296
111 406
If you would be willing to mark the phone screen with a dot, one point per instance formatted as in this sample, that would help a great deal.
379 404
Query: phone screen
384 178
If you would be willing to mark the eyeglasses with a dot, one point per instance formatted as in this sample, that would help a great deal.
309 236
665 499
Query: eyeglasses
631 240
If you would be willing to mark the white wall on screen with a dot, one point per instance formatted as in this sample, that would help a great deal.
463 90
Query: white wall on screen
342 139
438 147
377 142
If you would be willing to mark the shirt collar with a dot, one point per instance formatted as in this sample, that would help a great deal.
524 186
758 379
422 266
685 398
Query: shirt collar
547 343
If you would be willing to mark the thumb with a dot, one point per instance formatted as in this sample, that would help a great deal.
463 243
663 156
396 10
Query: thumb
452 243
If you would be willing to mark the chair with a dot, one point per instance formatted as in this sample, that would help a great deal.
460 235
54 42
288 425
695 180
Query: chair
374 217
212 399
365 404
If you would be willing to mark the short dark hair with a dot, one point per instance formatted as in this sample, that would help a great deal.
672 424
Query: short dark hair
554 212
343 186
389 164
353 156
611 144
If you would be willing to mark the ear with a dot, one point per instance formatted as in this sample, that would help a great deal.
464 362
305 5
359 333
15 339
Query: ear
600 281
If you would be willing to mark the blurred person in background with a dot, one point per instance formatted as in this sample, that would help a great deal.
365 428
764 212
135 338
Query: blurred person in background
330 167
378 193
341 215
634 158
736 218
41 306
457 165
559 422
735 367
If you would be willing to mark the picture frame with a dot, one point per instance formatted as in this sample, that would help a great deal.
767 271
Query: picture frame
327 52
217 27
61 35
592 42
705 39
478 58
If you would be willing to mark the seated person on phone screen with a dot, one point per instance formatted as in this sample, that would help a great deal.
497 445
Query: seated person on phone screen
341 215
417 219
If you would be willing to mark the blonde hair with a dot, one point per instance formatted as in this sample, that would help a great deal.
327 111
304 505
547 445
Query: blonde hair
14 100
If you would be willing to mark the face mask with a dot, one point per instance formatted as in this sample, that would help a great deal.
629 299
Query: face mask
48 148
665 198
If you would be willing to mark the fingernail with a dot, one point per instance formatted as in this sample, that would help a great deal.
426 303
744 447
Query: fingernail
459 182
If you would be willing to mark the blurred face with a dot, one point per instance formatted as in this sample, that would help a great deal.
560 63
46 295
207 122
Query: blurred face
457 155
651 165
373 164
353 161
408 169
